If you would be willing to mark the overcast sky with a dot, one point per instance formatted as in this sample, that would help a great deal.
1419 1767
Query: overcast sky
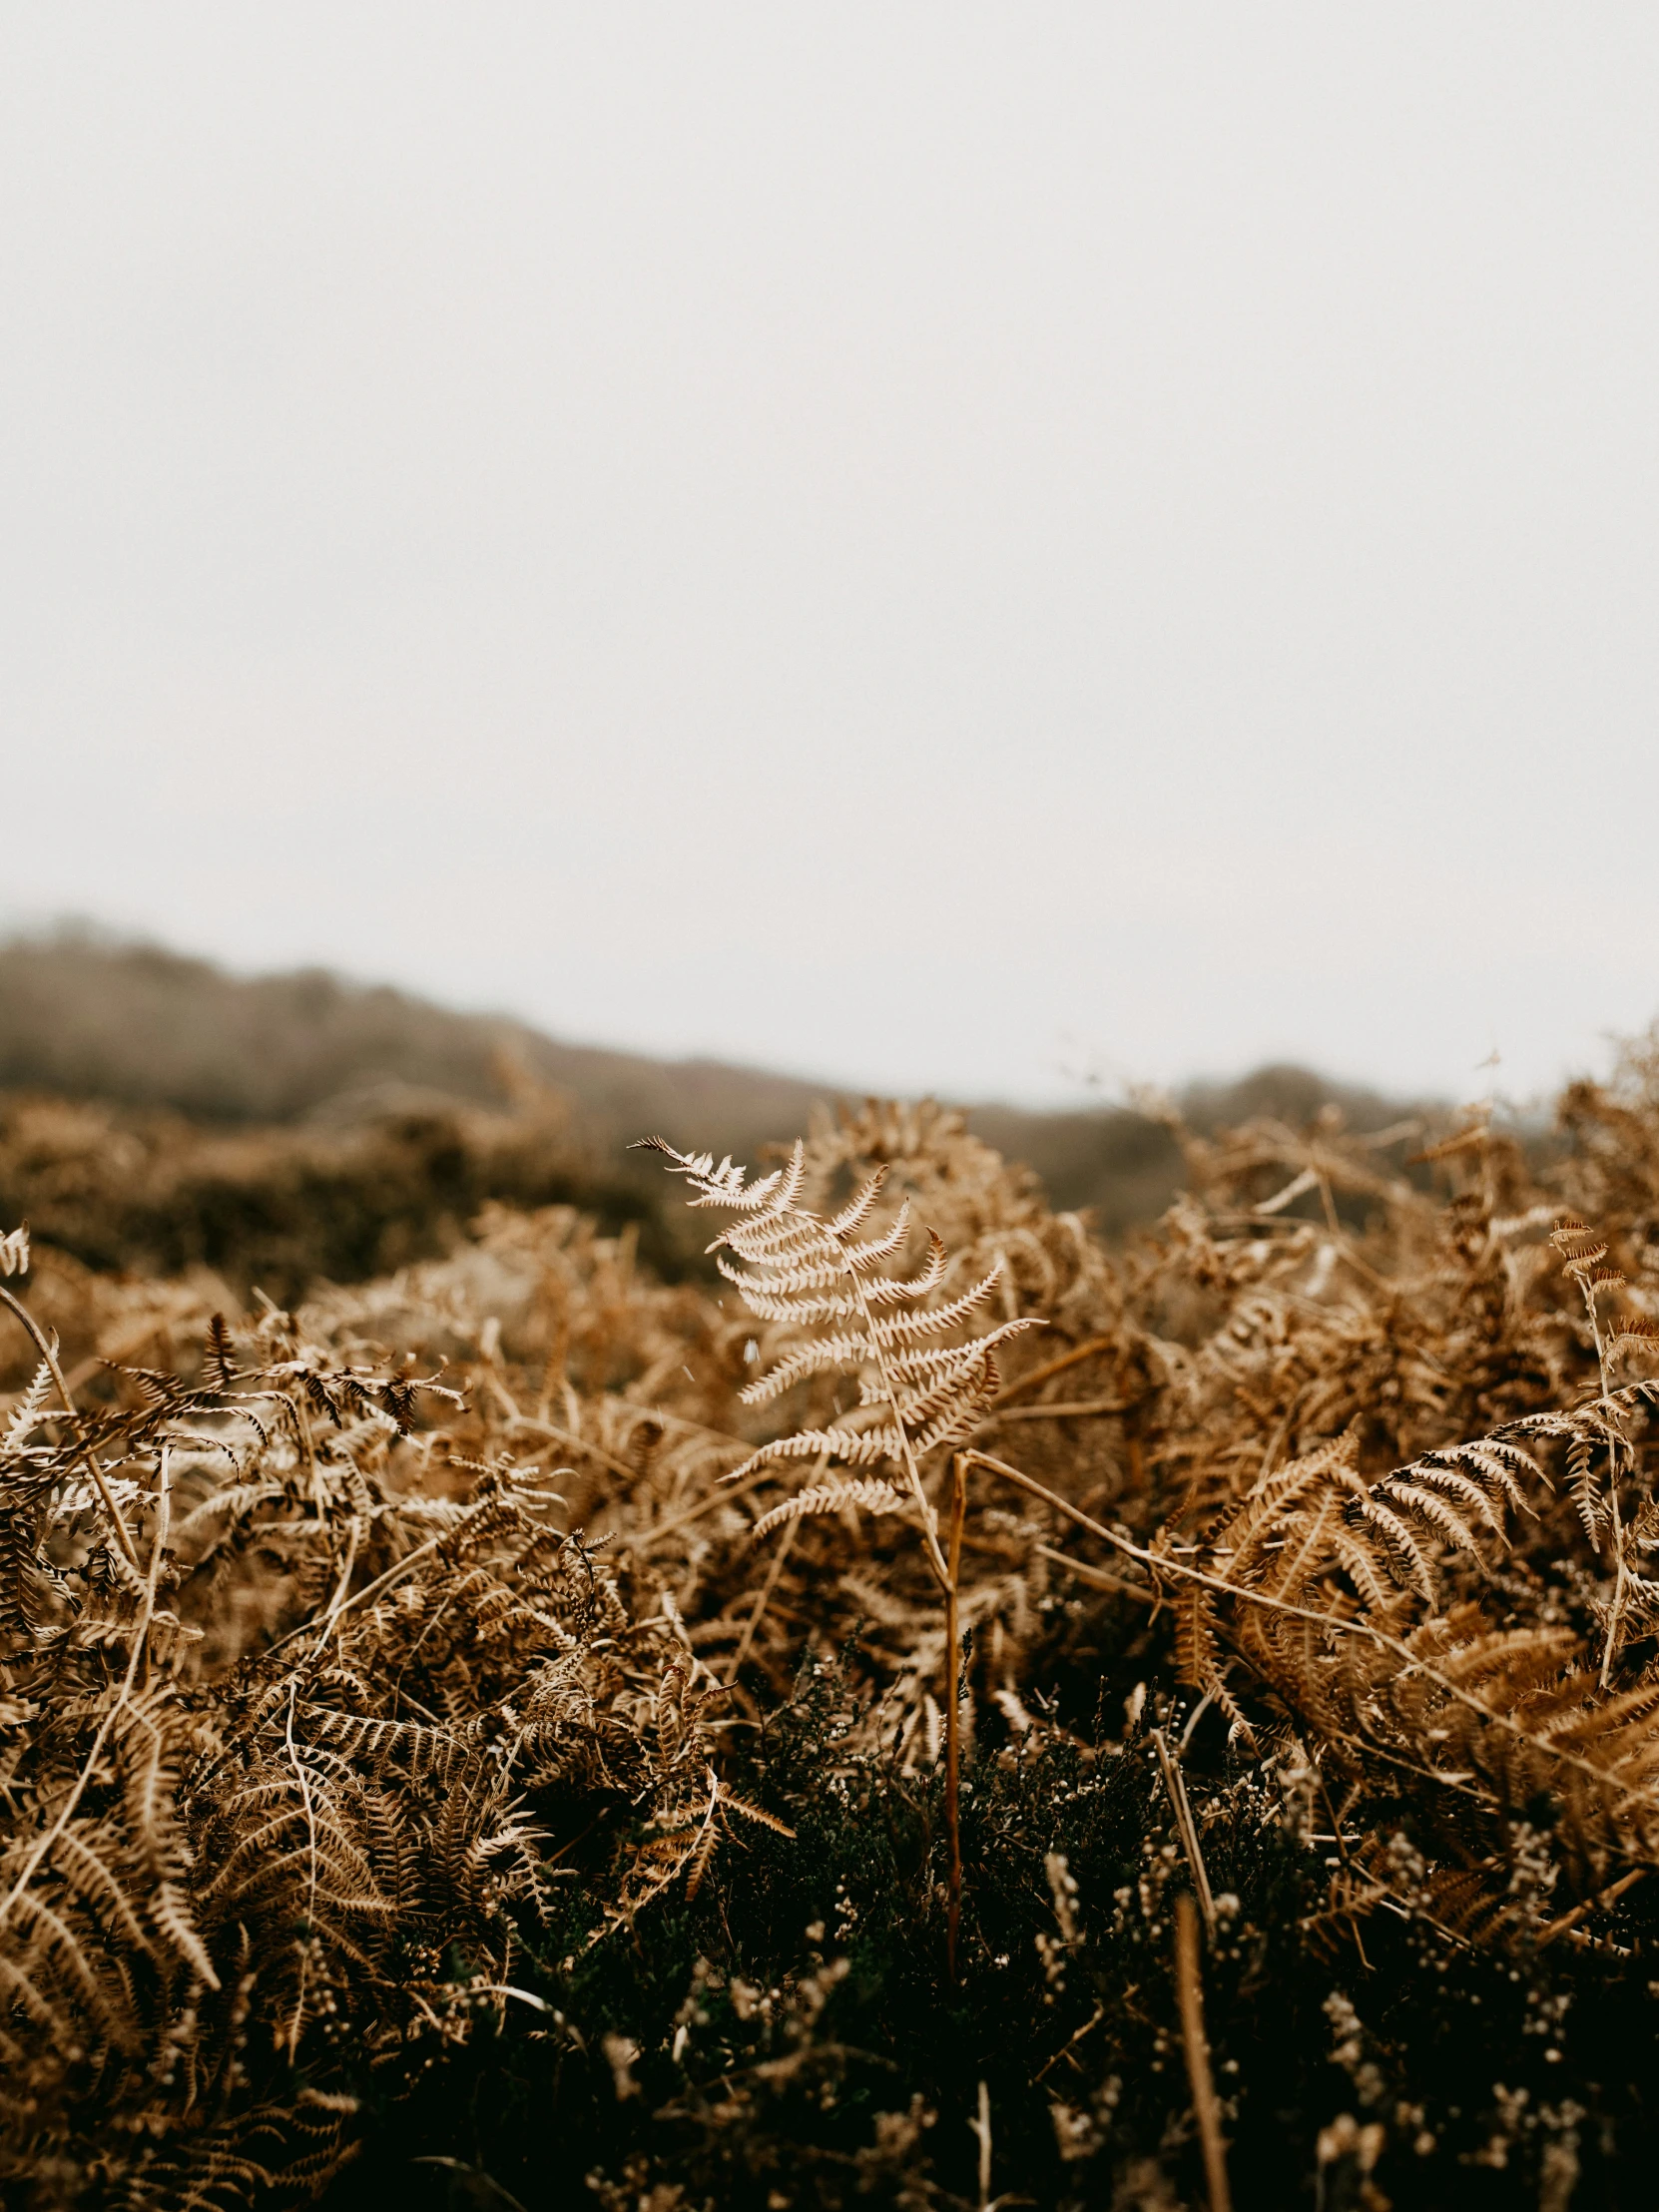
942 546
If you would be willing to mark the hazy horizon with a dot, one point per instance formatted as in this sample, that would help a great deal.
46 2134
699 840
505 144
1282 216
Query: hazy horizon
935 548
1091 1092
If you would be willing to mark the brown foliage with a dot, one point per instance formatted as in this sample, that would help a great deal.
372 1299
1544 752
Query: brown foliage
336 1638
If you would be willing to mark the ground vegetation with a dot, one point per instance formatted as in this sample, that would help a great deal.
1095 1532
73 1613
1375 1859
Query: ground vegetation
941 1710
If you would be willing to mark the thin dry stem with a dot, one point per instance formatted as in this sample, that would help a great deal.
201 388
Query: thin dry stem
1206 2107
1175 1782
953 1705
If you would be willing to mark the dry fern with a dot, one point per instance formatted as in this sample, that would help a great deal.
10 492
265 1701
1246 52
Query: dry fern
339 1647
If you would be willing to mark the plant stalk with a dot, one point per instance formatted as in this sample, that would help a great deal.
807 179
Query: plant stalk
952 1704
1206 2106
1621 1572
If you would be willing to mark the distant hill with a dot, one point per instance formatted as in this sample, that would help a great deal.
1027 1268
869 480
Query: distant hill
143 1028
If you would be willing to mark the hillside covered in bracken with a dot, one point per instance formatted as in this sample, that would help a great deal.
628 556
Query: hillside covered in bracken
283 1126
859 1689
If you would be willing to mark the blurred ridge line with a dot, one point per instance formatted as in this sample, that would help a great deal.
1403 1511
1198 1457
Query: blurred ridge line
291 1125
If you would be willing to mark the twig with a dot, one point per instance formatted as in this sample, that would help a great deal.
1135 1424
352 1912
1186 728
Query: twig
1057 1410
1052 1368
982 2129
1205 2108
952 1711
475 2175
1097 1578
1093 2022
1175 1782
1609 1896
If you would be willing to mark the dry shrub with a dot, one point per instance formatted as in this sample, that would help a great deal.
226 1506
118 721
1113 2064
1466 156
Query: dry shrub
367 1665
390 1177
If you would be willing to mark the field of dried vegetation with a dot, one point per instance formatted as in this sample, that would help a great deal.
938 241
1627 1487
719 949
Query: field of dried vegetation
944 1711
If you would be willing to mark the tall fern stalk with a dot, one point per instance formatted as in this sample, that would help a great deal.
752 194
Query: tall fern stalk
1583 1255
823 1286
953 1703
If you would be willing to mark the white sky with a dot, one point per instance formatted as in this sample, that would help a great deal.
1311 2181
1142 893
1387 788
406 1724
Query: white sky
933 544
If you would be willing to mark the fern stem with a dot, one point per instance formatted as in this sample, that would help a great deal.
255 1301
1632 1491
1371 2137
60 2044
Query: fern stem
1052 1368
301 1777
1616 1612
952 1705
1175 1785
1206 2106
930 1519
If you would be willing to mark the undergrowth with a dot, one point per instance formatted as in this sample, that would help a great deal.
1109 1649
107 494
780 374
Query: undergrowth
792 2033
485 1732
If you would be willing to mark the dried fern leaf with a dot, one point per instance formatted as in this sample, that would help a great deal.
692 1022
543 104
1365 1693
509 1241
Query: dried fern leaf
832 1498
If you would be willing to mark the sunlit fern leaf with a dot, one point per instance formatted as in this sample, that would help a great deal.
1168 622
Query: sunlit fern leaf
90 1874
1604 1719
1579 1246
800 1271
1585 1488
26 1414
1520 1656
725 1185
1636 1334
833 1497
170 1910
701 1855
1406 1557
1363 1567
751 1812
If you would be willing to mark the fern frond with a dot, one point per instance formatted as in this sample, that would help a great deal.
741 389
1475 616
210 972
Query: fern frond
858 1208
701 1853
26 1414
220 1365
170 1910
1412 1562
867 1448
1579 1246
751 1812
832 1498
